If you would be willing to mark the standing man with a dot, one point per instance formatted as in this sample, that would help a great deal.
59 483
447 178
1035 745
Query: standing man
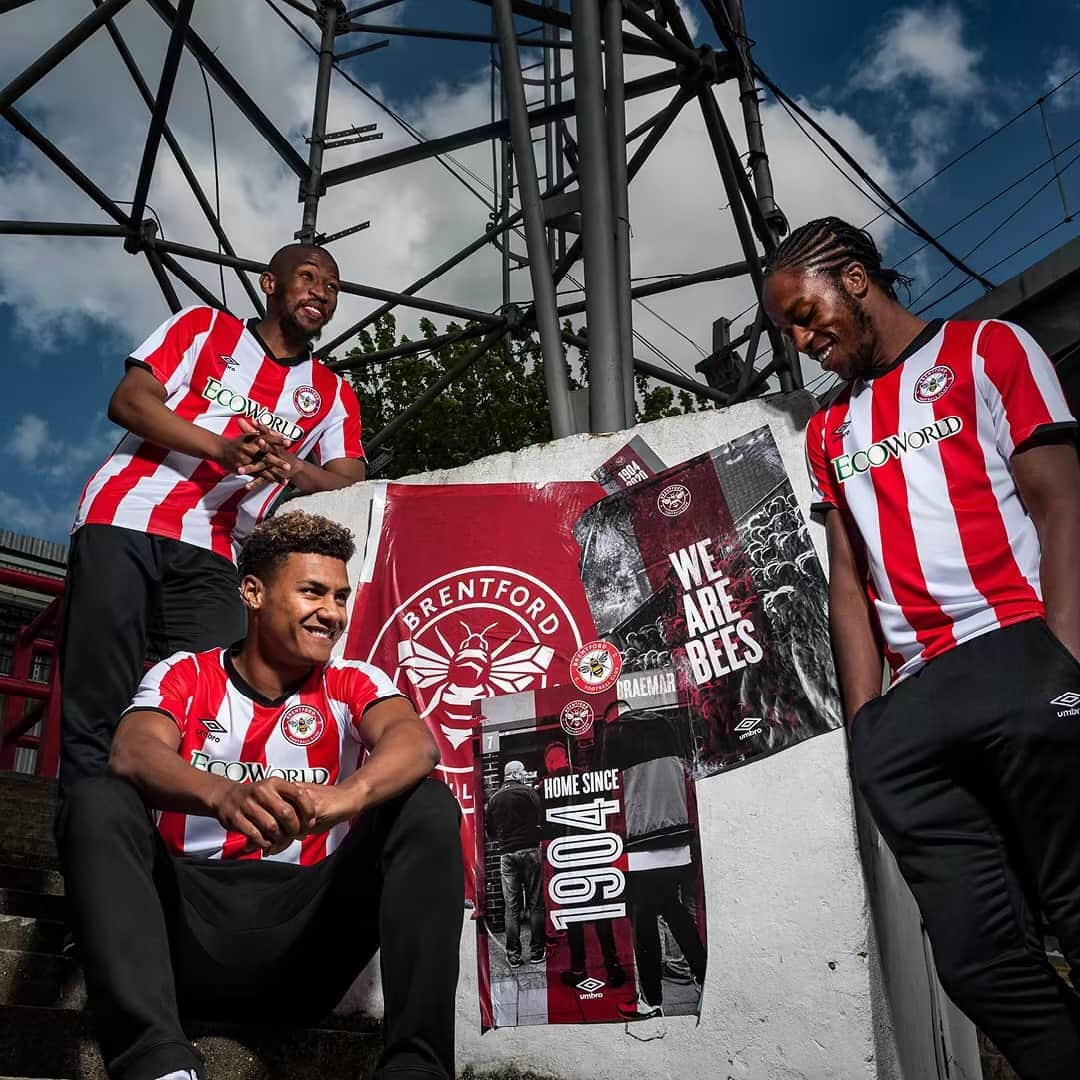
947 475
514 814
296 834
220 414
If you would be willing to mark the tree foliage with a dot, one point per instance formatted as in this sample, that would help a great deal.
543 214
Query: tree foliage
498 404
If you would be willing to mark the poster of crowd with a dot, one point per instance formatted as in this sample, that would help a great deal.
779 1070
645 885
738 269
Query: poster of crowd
708 566
467 591
591 904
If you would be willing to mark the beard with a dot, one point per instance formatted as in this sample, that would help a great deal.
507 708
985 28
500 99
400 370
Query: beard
862 348
290 323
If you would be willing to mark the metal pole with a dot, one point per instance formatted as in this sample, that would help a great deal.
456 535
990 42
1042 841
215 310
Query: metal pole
620 199
311 187
59 228
435 389
162 278
544 300
192 282
161 108
606 400
64 47
716 273
411 348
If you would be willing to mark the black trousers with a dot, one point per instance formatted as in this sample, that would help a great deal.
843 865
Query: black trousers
127 590
654 893
162 937
971 768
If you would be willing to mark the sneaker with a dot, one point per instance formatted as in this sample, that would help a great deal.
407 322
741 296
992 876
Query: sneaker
537 958
677 975
514 961
571 977
616 976
639 1009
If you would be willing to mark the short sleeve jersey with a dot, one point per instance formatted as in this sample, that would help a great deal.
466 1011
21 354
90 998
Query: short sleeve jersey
917 460
215 370
229 729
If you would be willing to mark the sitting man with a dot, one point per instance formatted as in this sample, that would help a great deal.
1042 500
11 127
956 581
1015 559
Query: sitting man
296 834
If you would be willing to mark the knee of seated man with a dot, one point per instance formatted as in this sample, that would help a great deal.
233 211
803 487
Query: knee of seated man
101 808
433 816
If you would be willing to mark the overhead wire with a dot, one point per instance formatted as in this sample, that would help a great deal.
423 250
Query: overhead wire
217 184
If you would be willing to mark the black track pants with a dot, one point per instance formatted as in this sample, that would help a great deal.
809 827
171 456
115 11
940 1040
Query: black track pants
162 937
971 769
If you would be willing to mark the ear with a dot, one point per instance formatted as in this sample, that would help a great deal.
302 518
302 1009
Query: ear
267 282
252 592
856 280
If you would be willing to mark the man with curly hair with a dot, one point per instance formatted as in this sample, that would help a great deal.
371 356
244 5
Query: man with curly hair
946 474
265 825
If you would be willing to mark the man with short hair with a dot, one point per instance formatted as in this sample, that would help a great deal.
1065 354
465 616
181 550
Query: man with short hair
296 834
514 815
220 414
946 472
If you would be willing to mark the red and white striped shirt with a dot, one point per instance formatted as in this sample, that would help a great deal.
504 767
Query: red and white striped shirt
917 460
229 729
215 370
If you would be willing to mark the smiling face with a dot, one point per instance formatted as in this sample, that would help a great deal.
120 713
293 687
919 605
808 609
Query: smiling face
298 610
825 316
302 288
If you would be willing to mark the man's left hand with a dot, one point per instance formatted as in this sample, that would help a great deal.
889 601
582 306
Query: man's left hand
333 805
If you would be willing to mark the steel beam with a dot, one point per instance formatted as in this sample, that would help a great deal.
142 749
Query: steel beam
355 288
498 129
606 402
63 48
410 348
59 228
434 390
235 92
680 281
11 5
393 30
193 283
162 278
64 164
545 304
672 47
181 160
161 109
311 188
620 201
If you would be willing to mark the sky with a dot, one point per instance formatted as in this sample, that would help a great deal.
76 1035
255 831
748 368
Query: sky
906 88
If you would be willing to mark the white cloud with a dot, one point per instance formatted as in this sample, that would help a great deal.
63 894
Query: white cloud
924 44
28 438
419 214
1064 67
35 517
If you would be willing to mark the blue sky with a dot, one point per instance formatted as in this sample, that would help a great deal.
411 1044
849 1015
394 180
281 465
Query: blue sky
906 86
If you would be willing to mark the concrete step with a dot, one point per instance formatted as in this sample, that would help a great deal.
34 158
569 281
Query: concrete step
32 879
29 848
30 978
26 934
41 1042
35 905
27 786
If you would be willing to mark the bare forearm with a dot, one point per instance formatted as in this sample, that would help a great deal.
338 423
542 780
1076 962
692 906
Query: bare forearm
400 759
164 779
1060 582
859 664
309 477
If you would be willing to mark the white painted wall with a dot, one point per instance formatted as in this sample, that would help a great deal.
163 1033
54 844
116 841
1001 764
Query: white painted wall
795 989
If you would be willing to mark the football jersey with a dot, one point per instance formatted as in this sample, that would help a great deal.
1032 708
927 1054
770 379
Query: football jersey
215 370
228 729
917 460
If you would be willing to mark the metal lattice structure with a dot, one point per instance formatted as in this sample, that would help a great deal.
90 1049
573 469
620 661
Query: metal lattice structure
576 211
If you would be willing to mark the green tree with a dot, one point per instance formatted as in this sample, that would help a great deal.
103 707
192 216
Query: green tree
498 404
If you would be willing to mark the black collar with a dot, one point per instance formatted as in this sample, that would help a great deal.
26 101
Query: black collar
285 361
923 337
248 690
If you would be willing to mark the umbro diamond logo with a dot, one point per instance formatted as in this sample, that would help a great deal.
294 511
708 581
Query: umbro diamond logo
216 726
1069 700
590 985
748 724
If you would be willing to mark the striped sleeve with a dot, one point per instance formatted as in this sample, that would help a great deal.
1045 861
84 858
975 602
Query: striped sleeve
341 436
1020 386
358 686
169 353
168 688
821 485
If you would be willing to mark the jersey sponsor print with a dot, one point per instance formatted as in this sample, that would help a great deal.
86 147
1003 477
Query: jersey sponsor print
229 730
215 371
917 459
617 848
709 567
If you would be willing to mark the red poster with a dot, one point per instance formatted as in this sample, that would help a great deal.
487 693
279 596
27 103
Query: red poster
470 591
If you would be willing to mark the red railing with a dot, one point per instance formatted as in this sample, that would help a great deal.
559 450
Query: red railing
15 723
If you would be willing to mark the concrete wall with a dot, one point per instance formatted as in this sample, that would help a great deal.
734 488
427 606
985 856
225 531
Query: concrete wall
795 987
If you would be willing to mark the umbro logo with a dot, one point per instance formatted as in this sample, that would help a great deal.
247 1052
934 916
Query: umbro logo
749 726
590 988
843 429
215 726
1068 703
229 361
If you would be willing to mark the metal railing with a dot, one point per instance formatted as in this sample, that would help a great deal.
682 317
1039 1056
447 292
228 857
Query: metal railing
16 721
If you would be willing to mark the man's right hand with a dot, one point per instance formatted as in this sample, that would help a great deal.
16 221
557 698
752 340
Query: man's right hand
238 454
269 813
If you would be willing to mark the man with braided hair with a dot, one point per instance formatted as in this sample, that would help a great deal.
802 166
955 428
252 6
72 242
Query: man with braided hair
947 476
265 826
